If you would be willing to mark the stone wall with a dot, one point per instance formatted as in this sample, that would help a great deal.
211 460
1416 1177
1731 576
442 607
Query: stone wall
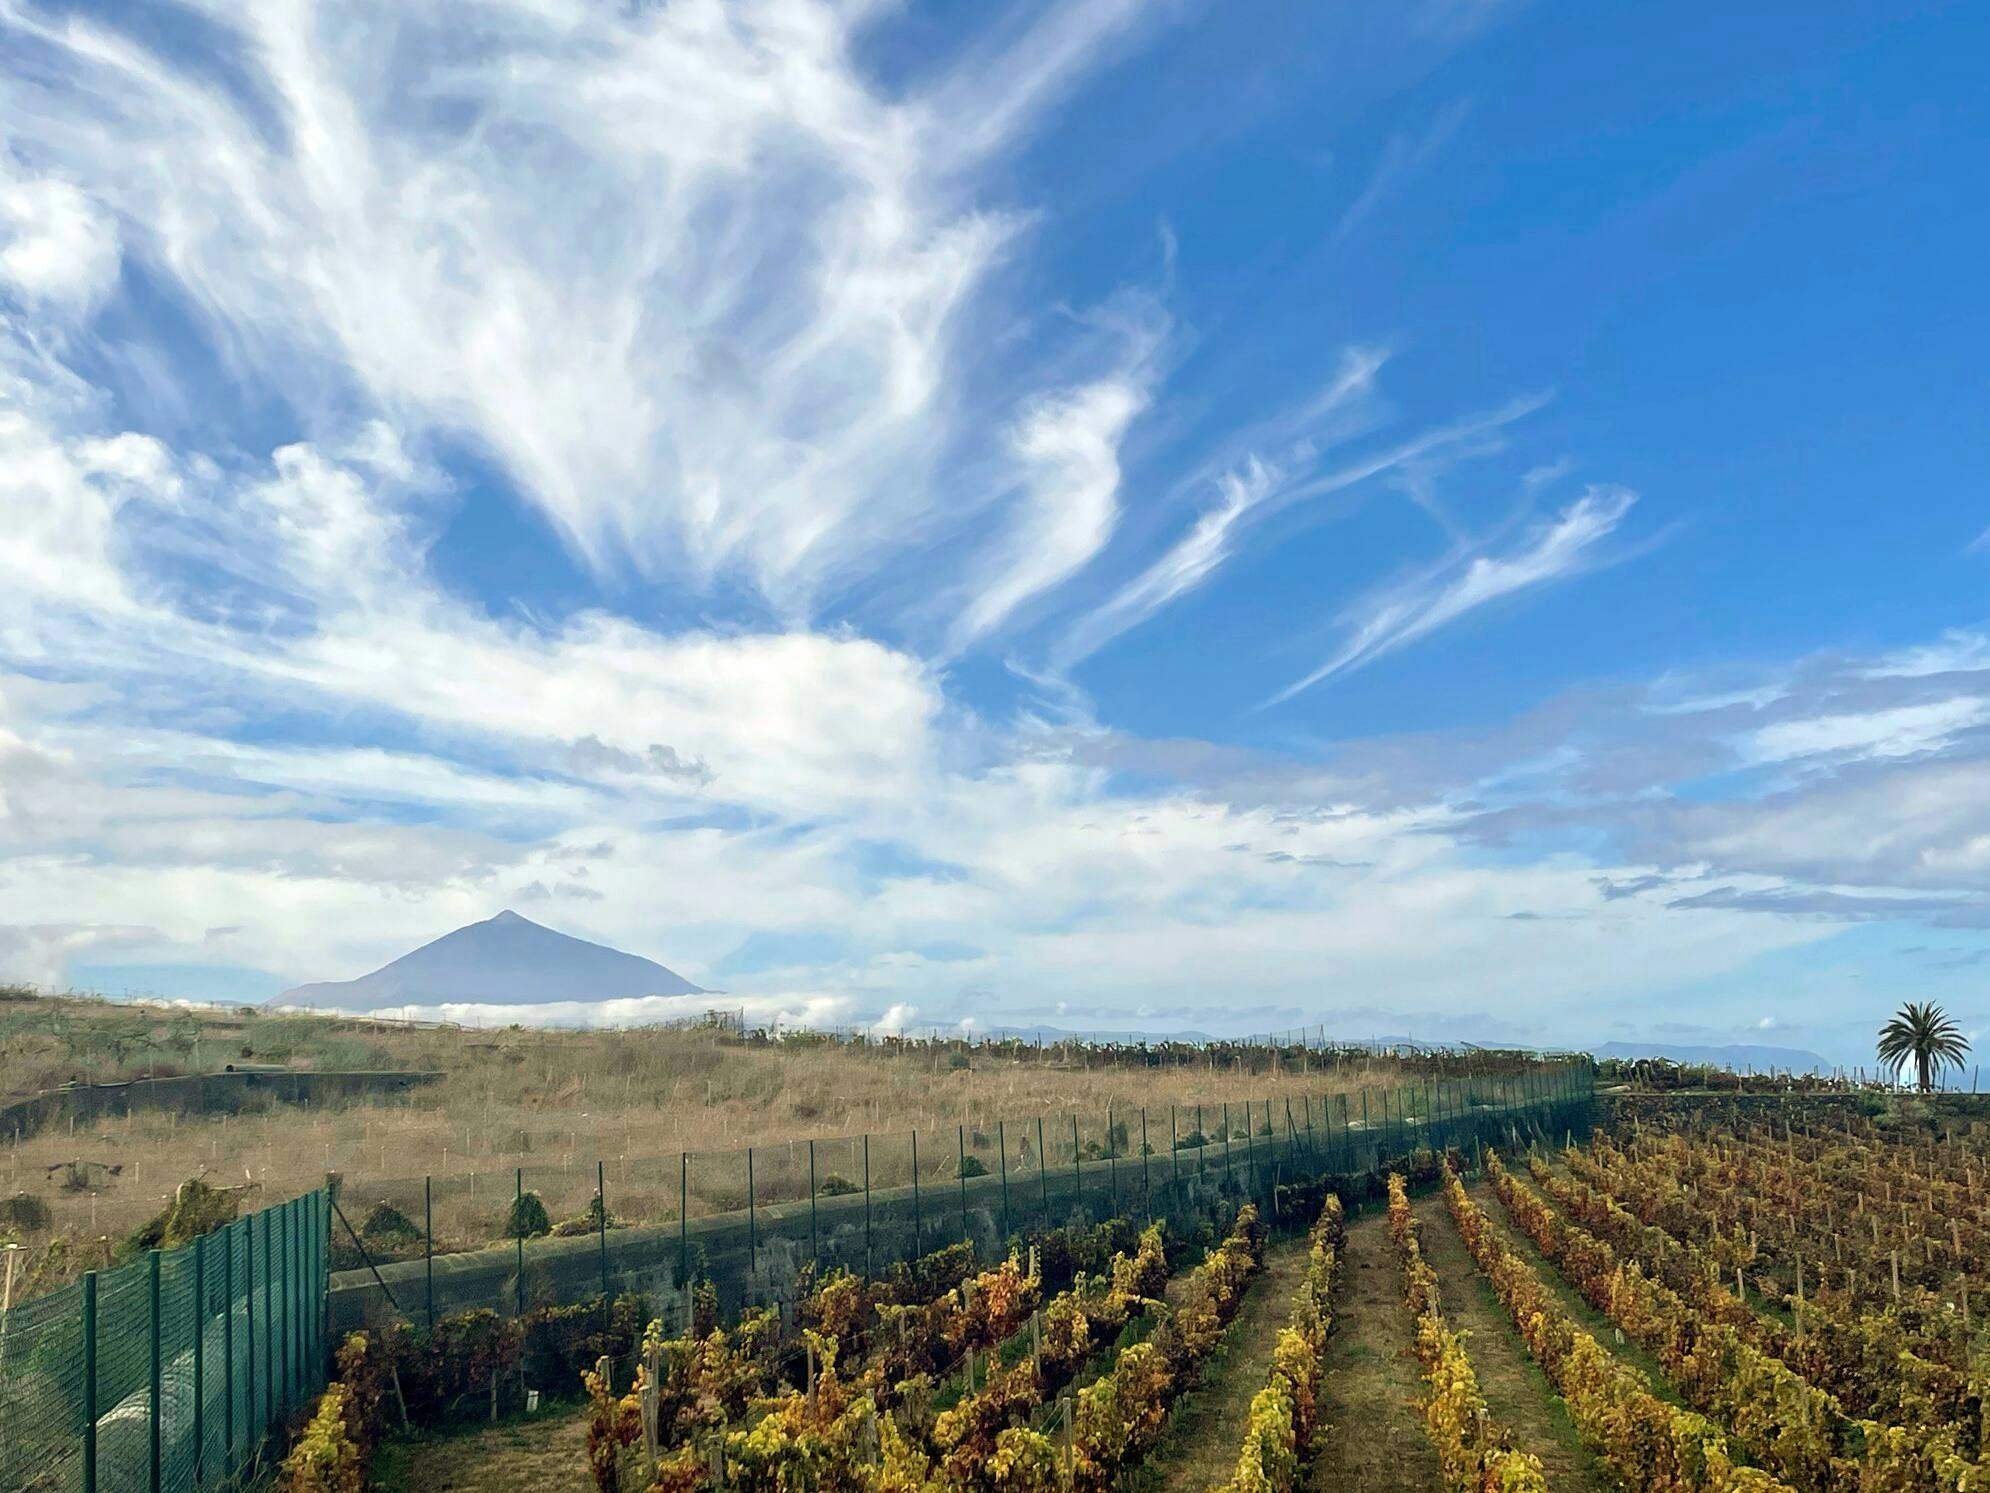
200 1094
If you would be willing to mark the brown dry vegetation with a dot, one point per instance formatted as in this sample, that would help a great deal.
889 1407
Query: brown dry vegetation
553 1102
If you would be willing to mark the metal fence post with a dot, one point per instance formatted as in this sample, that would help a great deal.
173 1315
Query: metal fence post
90 1381
286 1272
1002 1160
1112 1162
684 1221
867 1203
199 1357
1043 1171
428 1249
249 1421
293 1349
300 1327
153 1407
227 1237
300 1250
272 1324
276 1283
961 1138
1174 1150
814 1248
1077 1167
752 1220
601 1226
518 1228
1146 1181
1251 1151
918 1220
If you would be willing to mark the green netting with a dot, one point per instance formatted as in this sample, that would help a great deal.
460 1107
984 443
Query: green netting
40 1381
198 1353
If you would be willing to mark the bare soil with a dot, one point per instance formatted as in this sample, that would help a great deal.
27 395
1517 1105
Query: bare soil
1517 1391
545 1453
1206 1429
1374 1436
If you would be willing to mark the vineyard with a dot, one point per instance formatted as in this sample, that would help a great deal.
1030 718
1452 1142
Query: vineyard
1691 1300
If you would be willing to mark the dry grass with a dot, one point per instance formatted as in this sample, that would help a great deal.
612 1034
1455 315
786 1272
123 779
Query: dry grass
553 1102
545 1453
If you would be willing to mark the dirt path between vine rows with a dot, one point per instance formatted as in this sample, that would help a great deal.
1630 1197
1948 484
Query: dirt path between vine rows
1595 1323
1206 1431
1373 1436
1517 1392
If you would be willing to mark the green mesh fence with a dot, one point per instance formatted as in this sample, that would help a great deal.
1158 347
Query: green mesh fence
169 1372
744 1218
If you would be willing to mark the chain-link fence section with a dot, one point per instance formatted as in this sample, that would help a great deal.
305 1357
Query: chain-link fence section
168 1373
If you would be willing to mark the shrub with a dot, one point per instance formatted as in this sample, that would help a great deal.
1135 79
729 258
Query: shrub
24 1214
591 1221
527 1217
386 1227
835 1185
972 1166
196 1209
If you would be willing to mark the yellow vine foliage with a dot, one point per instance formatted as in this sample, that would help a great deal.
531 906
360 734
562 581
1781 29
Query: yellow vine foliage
330 1454
325 1458
611 1425
1284 1414
1773 1413
1473 1451
1647 1443
1024 1462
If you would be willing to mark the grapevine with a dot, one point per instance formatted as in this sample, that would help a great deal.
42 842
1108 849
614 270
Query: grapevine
1476 1454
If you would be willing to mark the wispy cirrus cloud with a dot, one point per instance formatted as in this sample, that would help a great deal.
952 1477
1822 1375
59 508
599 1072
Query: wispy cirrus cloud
1291 459
1066 450
1402 157
692 278
1419 606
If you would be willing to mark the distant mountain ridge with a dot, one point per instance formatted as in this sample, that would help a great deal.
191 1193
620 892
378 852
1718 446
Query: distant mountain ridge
1783 1059
507 960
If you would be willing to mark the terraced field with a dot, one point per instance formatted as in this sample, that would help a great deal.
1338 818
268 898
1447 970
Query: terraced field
1738 1310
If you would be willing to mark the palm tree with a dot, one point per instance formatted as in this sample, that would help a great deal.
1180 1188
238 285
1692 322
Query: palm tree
1923 1032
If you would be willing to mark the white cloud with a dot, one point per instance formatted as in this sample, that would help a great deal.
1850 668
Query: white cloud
1066 448
1184 567
1283 461
1903 731
813 1010
700 287
895 1021
57 247
1420 606
753 376
1956 651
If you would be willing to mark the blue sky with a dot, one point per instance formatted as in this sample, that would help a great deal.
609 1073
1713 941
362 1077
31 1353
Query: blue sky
1466 516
